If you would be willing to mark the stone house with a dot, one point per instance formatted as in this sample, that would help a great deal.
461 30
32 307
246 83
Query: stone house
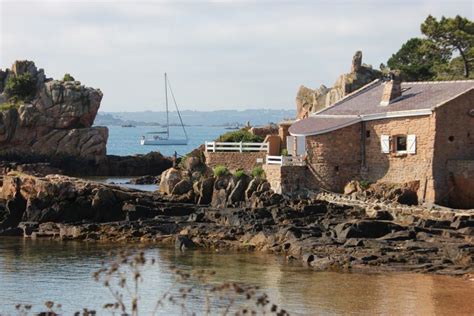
420 133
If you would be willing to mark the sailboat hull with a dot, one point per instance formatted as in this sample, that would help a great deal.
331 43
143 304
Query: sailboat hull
164 142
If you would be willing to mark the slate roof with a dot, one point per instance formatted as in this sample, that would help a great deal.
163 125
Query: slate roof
418 98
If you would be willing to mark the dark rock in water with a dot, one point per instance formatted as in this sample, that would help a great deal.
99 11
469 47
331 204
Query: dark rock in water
28 228
15 231
183 243
145 180
14 210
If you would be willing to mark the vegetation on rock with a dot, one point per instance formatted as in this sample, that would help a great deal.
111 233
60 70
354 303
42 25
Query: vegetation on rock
258 172
239 174
68 77
220 171
21 87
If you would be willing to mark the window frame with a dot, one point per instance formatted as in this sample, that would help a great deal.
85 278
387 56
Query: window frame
395 144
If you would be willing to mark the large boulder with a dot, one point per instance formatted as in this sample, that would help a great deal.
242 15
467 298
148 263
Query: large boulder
169 179
56 121
310 101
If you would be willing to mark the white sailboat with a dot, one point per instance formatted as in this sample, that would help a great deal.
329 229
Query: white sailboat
163 137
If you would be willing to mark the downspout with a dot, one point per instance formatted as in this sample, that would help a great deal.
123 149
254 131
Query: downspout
363 131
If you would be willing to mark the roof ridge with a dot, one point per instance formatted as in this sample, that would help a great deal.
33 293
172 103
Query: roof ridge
350 95
438 82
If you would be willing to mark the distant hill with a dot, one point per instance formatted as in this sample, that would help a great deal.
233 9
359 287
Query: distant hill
206 118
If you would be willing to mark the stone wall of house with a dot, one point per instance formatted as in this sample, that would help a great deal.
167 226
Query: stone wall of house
235 160
454 141
287 179
334 158
401 168
461 183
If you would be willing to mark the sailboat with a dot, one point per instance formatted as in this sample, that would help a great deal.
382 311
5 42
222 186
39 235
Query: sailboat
163 137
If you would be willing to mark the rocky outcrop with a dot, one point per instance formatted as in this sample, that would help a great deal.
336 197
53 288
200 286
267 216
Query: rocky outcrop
322 234
57 121
403 193
310 101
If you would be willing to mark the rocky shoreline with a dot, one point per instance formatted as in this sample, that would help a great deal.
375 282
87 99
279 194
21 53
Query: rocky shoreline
325 231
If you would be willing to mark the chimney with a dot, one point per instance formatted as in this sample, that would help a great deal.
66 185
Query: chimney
392 89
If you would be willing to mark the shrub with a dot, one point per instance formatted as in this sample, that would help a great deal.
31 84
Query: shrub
21 87
258 172
68 77
220 171
240 136
239 174
284 152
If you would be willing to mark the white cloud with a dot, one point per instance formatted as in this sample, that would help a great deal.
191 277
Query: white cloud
219 53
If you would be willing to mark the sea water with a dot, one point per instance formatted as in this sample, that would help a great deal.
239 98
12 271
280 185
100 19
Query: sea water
35 271
126 140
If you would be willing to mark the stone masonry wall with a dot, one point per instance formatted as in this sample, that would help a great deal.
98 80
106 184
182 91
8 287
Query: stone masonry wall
235 160
401 168
334 158
461 183
286 179
454 141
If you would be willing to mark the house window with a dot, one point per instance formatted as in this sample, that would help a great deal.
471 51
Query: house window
401 144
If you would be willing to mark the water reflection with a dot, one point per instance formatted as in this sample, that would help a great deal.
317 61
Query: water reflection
34 271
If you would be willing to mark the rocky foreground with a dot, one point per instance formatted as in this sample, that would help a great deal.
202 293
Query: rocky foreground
325 232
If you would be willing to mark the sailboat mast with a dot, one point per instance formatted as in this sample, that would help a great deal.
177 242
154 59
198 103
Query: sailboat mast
167 115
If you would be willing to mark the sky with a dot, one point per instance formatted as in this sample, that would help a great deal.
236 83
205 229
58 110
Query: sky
218 54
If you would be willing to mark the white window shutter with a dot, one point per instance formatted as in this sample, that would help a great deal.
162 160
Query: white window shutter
411 144
290 144
300 145
385 143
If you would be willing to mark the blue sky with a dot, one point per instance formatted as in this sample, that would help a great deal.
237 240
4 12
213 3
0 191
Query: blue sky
218 54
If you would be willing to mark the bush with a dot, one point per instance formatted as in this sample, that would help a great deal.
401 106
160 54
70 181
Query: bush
240 136
258 172
220 171
21 87
239 174
68 77
284 152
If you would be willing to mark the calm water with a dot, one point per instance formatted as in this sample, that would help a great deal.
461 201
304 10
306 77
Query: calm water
126 140
35 271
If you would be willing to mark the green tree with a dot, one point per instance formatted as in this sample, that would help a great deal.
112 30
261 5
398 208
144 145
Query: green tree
417 59
455 34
